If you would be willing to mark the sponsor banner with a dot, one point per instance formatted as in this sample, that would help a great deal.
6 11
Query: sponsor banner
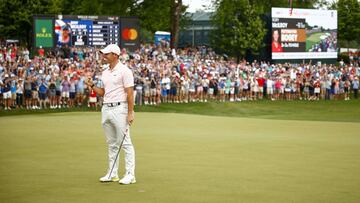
44 36
130 33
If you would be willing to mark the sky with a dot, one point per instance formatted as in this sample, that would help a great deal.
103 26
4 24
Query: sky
326 19
196 4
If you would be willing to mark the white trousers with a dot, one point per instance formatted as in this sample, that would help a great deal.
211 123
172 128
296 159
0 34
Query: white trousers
114 122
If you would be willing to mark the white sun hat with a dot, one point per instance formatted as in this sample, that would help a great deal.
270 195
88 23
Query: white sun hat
111 48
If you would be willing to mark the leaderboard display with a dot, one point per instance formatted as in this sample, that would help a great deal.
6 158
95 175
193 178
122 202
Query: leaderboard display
104 32
87 30
304 33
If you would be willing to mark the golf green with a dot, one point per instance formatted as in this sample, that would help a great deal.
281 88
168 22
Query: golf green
181 158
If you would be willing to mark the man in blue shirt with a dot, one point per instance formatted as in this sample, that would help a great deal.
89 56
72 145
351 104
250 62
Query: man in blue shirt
42 93
13 90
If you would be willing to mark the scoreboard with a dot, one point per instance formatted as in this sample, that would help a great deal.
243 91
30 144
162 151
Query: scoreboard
51 31
87 30
104 32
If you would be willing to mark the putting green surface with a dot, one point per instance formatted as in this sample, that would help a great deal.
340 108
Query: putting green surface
181 158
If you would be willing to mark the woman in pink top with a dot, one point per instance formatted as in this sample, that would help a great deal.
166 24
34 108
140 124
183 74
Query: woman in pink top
277 88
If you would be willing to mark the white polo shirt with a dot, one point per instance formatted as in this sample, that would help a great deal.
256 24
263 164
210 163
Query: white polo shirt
115 81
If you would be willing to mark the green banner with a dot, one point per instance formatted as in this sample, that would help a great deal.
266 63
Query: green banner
44 33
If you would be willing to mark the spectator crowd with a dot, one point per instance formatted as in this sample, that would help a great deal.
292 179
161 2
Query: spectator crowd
56 79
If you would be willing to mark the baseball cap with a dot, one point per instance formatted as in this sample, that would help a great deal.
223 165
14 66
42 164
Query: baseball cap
111 48
6 75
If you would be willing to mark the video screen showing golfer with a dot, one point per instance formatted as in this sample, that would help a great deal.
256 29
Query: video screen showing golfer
117 114
276 44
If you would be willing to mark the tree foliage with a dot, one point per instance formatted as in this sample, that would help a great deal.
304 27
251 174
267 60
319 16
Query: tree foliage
238 28
348 21
157 16
264 6
16 17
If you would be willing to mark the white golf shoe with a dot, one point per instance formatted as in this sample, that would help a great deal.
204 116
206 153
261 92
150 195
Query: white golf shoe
128 179
107 179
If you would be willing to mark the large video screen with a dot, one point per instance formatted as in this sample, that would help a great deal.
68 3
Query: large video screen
87 30
304 33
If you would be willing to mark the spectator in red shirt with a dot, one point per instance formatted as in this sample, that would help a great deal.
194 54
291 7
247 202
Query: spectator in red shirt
92 99
41 52
261 82
13 52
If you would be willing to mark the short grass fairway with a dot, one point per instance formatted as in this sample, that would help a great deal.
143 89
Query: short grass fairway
181 158
313 39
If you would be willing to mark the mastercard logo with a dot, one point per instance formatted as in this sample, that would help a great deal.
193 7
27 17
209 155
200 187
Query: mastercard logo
129 34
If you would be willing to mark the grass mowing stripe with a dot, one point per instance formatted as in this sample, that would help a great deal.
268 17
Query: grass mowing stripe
181 158
295 110
339 111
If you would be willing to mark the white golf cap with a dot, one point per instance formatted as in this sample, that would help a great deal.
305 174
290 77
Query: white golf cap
111 48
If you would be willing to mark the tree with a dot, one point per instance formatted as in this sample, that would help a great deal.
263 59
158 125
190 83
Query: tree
238 28
154 17
175 21
264 6
105 7
16 17
348 21
158 16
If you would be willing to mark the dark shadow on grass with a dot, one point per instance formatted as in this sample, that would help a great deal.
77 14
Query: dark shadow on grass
337 111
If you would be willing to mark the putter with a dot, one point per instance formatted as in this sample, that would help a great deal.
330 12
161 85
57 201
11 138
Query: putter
112 168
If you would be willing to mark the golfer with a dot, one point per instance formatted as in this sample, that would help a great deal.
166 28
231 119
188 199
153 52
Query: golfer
117 113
